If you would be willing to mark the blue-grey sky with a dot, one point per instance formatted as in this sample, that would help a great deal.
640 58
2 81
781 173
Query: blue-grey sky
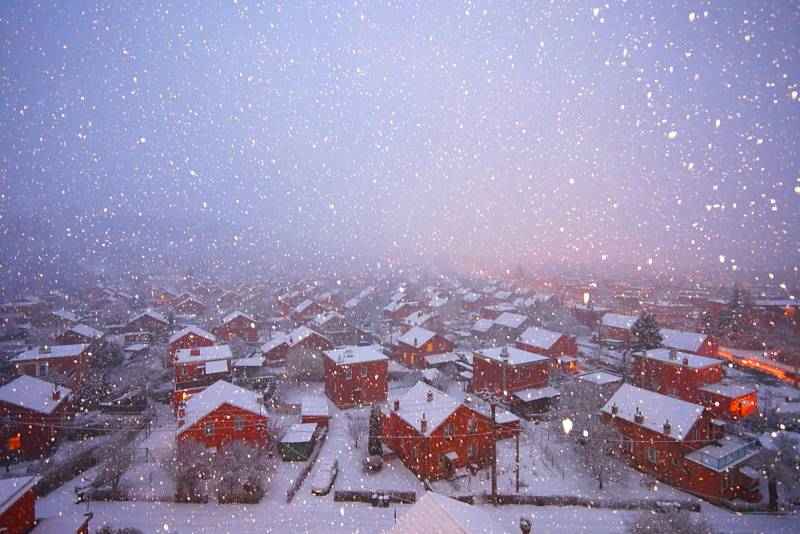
478 134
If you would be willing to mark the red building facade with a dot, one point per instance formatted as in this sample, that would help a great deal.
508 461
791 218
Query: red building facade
238 325
188 338
66 365
502 370
355 376
416 343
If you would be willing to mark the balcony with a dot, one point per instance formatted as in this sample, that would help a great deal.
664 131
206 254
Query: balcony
725 453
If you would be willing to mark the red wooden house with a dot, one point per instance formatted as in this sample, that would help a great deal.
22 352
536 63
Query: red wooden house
190 305
35 411
165 296
148 321
222 414
199 367
314 409
695 379
678 442
238 325
434 434
616 326
588 315
305 338
274 350
421 319
508 326
691 342
416 343
189 338
395 311
355 376
307 309
560 348
66 365
503 370
17 504
78 334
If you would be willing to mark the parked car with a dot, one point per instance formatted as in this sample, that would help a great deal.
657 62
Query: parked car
324 477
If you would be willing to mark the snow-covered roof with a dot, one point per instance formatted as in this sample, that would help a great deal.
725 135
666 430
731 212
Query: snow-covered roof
151 314
314 406
215 367
323 318
510 320
352 303
482 325
33 394
205 354
782 303
616 320
299 433
234 314
680 340
533 394
300 333
416 318
86 331
66 314
195 330
214 396
12 489
657 409
600 378
722 454
414 405
435 514
693 361
278 338
356 354
395 305
136 347
511 355
471 297
731 391
438 359
303 306
539 337
52 351
416 337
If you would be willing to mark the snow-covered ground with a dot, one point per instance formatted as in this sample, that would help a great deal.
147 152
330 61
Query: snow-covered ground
308 512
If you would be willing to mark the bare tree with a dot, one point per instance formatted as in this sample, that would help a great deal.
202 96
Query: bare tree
304 365
357 424
780 462
679 522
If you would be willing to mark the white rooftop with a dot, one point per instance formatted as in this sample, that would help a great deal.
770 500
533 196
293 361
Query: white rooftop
511 355
657 410
416 337
214 352
12 489
216 395
234 314
510 320
194 330
437 514
86 331
152 314
52 351
600 378
692 360
33 394
314 406
482 325
533 394
616 320
414 405
539 337
299 433
356 354
680 340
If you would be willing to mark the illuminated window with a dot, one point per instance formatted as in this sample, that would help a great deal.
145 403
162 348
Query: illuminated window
14 443
429 347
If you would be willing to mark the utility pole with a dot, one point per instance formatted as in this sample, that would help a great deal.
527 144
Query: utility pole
494 453
517 460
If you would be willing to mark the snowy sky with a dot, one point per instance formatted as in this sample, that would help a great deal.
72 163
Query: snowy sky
658 134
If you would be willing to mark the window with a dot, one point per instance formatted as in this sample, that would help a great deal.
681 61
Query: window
448 430
414 452
41 369
429 347
472 450
676 460
364 372
208 428
14 442
238 423
652 455
348 373
627 444
472 426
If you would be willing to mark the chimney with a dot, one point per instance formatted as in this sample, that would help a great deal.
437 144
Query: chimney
667 427
673 354
638 417
56 393
504 353
195 352
44 349
396 405
423 424
430 396
614 409
685 360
